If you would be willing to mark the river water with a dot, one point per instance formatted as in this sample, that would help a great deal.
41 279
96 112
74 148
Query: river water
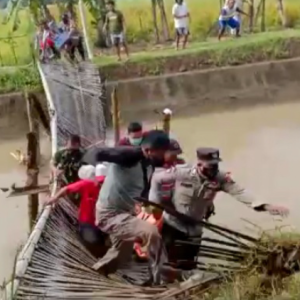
260 146
14 223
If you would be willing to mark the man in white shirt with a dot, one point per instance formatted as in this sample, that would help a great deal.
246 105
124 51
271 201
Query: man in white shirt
227 18
181 21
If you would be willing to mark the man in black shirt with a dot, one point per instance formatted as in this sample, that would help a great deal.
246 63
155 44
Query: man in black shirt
127 179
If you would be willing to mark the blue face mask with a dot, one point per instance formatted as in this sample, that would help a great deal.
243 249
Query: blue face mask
135 141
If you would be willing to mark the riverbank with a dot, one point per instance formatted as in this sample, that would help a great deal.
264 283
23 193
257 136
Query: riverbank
205 55
199 56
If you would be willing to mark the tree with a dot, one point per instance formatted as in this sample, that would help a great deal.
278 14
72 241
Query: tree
164 22
281 13
154 17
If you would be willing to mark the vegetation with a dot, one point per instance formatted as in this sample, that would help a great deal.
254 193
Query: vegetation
254 48
254 283
18 79
141 30
201 55
140 25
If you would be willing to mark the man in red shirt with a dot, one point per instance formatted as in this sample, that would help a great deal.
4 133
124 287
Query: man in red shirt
135 135
88 188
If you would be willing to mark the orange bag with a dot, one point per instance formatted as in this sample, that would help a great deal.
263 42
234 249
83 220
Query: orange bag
152 220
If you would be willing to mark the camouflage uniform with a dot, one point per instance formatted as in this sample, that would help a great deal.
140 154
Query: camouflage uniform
70 161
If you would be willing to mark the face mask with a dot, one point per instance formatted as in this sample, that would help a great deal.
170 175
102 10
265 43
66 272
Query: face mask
135 141
211 172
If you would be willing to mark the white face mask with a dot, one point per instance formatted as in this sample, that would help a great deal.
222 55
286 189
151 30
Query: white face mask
135 141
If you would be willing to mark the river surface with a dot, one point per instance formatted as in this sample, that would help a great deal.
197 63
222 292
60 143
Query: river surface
260 146
14 222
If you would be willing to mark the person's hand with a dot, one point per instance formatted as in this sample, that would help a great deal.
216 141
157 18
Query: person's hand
58 172
276 210
138 209
50 201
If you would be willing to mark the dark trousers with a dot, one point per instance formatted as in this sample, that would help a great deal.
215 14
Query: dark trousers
182 255
93 238
80 49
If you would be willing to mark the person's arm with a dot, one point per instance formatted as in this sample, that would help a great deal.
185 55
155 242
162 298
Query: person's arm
75 187
55 172
189 16
105 25
230 187
122 155
123 22
223 12
241 12
174 13
155 194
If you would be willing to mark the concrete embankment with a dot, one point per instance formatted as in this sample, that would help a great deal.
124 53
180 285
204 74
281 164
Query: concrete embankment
211 90
196 91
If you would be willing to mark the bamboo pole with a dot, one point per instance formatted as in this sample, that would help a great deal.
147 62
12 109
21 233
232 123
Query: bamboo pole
167 114
263 15
26 254
33 156
251 15
115 115
84 28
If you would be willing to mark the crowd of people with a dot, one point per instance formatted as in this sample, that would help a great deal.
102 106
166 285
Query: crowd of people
230 17
125 192
52 39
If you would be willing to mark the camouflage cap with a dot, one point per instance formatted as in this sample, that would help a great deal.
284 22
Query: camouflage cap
211 155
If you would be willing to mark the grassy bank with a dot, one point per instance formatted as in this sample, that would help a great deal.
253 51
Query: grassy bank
205 55
204 14
261 279
139 25
248 49
18 79
15 47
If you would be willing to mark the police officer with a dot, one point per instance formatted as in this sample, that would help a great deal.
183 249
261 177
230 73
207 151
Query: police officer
194 191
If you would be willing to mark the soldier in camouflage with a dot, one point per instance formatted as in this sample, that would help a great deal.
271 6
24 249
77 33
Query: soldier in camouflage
194 191
67 162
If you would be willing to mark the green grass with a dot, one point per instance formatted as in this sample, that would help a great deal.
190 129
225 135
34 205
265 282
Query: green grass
252 284
245 44
204 14
15 47
139 25
16 80
256 47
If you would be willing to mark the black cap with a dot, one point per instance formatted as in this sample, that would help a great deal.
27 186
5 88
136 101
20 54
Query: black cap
134 127
156 140
175 147
210 155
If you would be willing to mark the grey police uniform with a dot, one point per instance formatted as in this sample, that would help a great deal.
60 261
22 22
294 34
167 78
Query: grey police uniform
193 193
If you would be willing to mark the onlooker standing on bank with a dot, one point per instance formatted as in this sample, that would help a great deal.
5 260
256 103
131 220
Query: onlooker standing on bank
115 25
181 16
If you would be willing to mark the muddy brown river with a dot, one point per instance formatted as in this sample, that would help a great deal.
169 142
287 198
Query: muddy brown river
260 146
